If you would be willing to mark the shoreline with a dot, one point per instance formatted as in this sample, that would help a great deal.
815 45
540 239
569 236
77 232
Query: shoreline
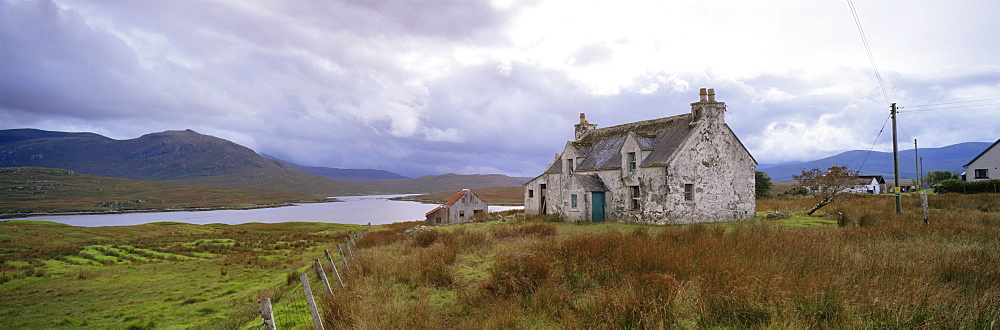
5 216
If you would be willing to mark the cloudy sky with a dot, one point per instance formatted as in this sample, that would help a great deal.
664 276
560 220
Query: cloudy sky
423 87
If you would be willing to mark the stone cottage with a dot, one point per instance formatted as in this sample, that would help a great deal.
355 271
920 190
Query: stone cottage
463 207
680 169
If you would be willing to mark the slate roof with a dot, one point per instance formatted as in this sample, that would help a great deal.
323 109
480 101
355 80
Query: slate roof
868 178
591 182
601 148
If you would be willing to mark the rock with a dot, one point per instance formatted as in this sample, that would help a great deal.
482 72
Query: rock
778 215
414 230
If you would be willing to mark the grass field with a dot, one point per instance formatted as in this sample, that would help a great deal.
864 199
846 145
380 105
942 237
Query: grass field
877 270
153 275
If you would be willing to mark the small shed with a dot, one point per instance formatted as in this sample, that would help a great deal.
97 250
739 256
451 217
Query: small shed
870 184
462 207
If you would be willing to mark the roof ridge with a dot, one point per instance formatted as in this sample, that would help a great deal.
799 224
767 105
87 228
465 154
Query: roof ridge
642 122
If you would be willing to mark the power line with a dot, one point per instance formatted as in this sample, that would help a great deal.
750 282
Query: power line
869 50
873 143
955 107
937 104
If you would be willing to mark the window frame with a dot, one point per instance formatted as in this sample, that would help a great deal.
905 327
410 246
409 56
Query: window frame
631 158
984 171
573 201
689 192
569 166
634 196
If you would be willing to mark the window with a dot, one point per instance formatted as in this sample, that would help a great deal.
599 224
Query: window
982 173
631 162
634 197
531 193
461 214
689 192
572 201
569 165
438 220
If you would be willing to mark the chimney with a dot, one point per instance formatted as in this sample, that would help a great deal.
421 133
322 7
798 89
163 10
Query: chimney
707 109
583 127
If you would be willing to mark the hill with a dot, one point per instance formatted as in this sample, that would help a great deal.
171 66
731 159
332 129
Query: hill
179 157
950 158
46 190
160 156
510 195
345 174
442 183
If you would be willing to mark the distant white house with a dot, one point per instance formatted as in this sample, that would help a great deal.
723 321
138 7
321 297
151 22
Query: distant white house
463 207
870 184
986 166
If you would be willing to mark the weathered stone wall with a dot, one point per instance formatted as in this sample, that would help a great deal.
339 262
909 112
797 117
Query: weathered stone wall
712 160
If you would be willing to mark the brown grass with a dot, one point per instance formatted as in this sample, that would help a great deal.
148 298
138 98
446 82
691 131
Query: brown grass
884 270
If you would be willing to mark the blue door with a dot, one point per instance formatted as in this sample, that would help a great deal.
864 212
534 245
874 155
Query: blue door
597 206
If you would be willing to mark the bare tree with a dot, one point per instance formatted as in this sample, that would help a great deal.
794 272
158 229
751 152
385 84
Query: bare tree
827 185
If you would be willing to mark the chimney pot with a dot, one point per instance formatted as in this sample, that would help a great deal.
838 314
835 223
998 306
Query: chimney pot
702 94
711 95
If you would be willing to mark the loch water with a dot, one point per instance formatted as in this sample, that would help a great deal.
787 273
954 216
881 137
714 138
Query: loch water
376 209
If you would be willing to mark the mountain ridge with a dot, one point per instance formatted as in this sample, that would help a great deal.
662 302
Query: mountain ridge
948 158
187 157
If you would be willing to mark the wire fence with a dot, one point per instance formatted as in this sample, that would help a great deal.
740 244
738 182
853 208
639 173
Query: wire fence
290 304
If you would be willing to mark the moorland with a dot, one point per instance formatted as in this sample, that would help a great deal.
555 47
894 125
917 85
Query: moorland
855 264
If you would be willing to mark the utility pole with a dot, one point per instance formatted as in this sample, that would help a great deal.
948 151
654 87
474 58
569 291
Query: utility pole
916 164
895 161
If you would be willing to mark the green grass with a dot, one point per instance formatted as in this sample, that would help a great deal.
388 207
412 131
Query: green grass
161 275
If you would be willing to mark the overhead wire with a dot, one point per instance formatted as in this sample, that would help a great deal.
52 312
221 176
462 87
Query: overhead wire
871 58
955 107
937 104
873 143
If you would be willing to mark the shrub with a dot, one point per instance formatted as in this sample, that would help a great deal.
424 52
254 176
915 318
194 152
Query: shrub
962 187
518 274
424 238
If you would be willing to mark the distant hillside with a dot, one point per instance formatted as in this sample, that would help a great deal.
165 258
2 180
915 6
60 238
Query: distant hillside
341 173
47 190
441 183
950 158
511 195
182 157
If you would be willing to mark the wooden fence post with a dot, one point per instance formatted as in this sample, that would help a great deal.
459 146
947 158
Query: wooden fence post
349 251
923 207
317 321
347 269
322 277
266 313
335 272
